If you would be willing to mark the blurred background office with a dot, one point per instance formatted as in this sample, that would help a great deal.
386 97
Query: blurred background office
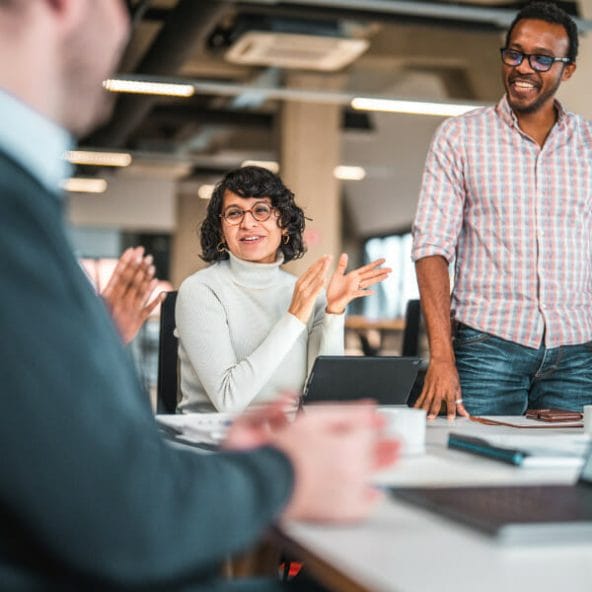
340 96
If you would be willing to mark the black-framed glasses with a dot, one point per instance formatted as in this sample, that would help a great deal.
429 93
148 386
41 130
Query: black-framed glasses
538 62
234 215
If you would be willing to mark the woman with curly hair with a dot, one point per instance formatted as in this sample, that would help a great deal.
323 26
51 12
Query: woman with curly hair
248 329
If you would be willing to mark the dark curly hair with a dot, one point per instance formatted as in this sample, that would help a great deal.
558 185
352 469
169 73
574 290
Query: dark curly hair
253 181
550 13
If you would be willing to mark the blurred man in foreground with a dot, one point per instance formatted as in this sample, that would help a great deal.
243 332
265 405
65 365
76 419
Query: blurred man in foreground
90 495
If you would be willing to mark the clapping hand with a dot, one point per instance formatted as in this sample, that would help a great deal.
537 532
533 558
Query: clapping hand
128 291
345 287
307 288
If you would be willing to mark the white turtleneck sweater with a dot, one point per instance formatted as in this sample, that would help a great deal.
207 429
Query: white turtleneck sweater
238 344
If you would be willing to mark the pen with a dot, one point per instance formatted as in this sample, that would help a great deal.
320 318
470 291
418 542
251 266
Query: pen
481 447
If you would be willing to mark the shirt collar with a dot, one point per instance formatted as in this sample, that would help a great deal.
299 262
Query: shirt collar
35 142
507 114
255 275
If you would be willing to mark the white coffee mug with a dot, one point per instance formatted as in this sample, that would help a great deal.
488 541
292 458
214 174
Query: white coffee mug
407 425
588 419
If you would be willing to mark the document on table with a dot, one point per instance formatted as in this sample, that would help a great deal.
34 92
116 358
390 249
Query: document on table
528 451
202 428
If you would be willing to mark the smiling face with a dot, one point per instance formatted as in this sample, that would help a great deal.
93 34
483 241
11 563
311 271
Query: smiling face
529 91
251 240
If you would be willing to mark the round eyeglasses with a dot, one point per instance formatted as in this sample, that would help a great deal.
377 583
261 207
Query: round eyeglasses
538 62
234 215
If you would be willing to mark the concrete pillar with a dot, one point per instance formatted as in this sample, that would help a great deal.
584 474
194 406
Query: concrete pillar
309 152
575 93
185 248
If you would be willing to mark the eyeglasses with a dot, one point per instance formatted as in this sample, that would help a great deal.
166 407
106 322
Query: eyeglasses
538 62
234 215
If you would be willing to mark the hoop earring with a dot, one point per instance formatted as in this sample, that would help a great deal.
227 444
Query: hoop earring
221 247
286 239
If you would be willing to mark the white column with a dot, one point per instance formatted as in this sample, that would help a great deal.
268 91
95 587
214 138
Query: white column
310 147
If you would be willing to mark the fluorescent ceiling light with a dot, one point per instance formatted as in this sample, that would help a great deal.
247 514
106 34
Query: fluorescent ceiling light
412 107
85 185
149 88
270 165
205 191
96 158
349 173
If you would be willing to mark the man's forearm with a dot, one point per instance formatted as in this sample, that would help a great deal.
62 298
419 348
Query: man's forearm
434 289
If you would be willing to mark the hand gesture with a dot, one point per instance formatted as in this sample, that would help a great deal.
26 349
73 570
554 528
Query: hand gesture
335 450
441 385
128 290
343 288
307 288
256 425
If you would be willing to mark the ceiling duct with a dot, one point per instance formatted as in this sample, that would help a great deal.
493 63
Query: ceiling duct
257 40
289 50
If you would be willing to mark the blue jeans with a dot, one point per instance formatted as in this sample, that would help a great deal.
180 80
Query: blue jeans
499 377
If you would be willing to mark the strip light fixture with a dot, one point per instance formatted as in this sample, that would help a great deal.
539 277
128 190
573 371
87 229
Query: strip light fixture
143 87
205 191
412 107
98 158
85 185
270 165
349 173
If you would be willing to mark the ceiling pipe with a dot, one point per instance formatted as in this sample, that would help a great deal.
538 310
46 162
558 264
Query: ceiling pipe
499 17
180 37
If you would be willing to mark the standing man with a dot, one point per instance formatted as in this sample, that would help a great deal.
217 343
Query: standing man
91 497
507 195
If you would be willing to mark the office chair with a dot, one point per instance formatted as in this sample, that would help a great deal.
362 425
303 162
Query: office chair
166 389
410 345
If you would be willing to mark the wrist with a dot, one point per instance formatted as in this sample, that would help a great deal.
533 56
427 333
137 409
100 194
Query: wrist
334 310
443 359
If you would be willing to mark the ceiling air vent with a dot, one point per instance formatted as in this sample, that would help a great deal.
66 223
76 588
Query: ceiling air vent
295 50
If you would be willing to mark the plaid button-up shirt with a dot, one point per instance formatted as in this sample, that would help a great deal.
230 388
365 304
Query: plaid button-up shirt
517 219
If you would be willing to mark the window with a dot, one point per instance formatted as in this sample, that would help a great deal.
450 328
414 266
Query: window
391 295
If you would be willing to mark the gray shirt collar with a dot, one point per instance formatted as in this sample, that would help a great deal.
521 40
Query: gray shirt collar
35 142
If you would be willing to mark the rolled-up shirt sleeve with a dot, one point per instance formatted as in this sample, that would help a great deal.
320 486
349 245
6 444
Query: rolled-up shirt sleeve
440 209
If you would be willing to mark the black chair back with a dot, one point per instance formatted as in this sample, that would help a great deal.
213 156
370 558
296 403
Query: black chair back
166 390
410 345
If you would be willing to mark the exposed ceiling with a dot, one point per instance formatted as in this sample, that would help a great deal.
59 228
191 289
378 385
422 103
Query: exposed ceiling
424 50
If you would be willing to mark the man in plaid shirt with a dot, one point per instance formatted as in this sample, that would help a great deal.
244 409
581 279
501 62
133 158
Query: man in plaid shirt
507 196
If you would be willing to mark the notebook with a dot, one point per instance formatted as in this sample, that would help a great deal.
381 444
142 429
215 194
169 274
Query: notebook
515 514
385 379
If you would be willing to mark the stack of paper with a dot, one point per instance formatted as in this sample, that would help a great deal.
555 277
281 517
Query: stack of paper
208 428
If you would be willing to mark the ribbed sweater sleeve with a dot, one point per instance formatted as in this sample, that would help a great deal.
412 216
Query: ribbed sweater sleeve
326 336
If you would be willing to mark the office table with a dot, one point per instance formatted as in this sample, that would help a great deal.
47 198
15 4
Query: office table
405 549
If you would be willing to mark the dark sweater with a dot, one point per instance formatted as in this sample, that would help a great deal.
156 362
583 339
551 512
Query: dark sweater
90 496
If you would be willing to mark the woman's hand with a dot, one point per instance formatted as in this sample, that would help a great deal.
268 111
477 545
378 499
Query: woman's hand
343 288
307 288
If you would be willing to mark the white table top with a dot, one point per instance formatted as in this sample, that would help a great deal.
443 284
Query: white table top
405 549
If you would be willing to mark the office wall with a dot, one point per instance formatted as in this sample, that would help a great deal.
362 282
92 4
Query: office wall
130 203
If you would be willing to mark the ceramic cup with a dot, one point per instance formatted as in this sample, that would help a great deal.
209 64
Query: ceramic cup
407 425
588 419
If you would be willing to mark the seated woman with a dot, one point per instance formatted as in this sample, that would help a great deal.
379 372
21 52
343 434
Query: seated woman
248 329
